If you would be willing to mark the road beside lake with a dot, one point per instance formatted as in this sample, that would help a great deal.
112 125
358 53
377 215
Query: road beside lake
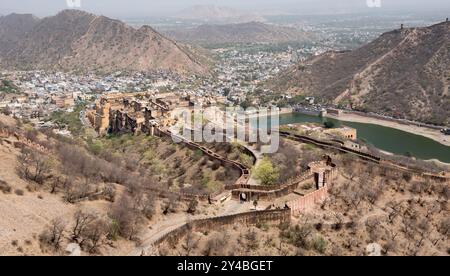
435 135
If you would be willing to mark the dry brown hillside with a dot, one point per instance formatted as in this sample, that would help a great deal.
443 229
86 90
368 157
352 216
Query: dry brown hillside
404 73
76 40
105 197
13 28
399 214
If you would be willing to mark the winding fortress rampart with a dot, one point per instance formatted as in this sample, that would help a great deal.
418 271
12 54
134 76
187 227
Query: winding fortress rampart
364 156
21 139
216 223
307 203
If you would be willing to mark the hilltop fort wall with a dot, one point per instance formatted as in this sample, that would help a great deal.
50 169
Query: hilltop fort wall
308 202
22 140
248 219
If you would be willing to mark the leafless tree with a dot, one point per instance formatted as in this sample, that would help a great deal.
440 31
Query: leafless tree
252 240
355 196
394 209
192 208
435 208
76 191
408 226
169 205
407 177
298 235
216 245
372 192
417 187
55 184
145 203
33 165
94 234
372 225
190 243
444 227
82 220
390 246
109 192
127 219
54 234
445 192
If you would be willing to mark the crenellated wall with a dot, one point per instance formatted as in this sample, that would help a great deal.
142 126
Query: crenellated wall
244 170
364 156
308 202
217 223
6 133
261 192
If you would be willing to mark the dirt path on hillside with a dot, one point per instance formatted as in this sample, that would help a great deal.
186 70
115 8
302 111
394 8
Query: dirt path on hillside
158 231
168 224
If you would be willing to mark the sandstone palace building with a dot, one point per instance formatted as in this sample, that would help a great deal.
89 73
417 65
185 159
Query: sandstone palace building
134 112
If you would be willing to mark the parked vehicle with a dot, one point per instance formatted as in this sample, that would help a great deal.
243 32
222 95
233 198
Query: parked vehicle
446 131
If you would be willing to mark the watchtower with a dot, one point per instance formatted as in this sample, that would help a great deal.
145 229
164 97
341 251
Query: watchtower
324 172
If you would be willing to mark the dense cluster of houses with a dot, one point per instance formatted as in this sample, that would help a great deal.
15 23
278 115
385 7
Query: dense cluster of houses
41 93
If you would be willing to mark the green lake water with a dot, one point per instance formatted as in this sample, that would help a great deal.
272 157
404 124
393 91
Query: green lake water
384 138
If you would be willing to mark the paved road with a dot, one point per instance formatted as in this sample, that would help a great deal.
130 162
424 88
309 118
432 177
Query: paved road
84 119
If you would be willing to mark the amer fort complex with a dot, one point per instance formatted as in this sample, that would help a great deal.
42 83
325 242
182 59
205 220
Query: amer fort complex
152 114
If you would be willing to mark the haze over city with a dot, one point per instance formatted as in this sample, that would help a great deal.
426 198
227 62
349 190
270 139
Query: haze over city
225 128
138 8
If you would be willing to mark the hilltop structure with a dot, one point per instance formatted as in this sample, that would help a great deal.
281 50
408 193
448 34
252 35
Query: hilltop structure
134 112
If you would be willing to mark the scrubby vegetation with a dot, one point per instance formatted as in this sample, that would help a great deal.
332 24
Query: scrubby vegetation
289 161
401 213
137 180
7 86
172 165
140 177
69 119
5 187
232 151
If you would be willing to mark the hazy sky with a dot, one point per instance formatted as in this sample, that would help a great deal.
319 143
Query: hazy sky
131 8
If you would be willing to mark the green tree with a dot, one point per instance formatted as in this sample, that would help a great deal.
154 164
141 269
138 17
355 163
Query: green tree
266 173
245 104
320 244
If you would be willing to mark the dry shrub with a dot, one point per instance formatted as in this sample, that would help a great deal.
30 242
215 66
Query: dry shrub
5 187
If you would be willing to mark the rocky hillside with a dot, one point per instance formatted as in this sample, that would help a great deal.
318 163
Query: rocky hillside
404 73
13 28
252 32
76 40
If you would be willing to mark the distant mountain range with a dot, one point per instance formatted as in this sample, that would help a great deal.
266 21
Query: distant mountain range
404 73
76 40
251 32
216 14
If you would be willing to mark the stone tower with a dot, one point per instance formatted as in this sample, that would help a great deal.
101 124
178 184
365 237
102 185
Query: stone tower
324 172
